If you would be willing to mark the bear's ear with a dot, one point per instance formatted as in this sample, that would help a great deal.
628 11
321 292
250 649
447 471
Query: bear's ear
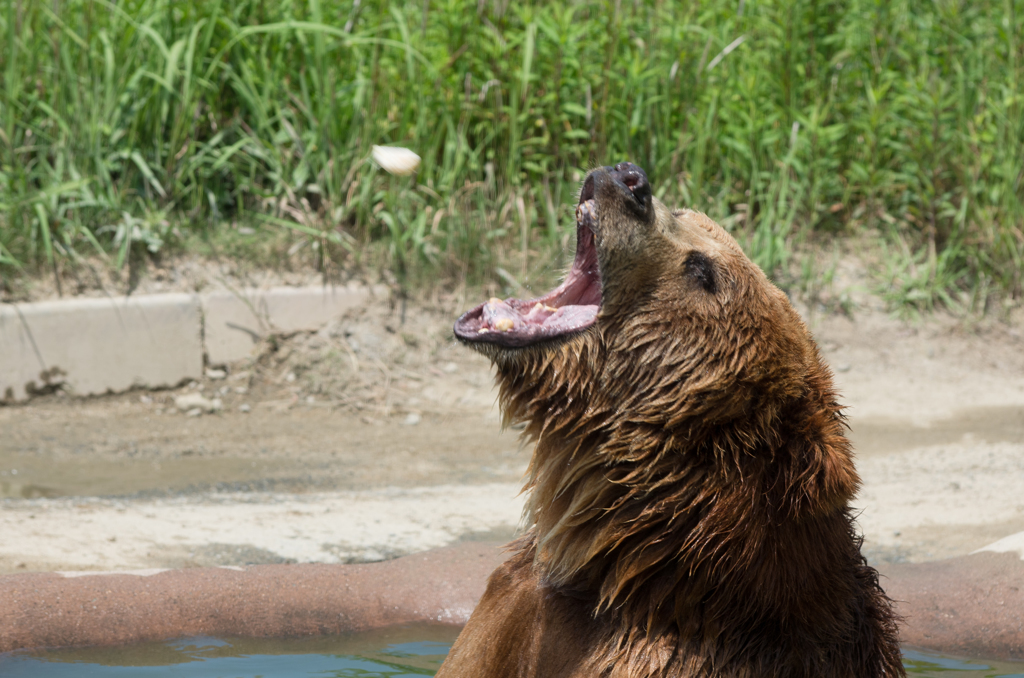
701 269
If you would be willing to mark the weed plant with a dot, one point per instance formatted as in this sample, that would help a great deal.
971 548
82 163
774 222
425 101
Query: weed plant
125 124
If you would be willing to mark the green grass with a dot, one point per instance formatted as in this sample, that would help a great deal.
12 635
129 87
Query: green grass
128 126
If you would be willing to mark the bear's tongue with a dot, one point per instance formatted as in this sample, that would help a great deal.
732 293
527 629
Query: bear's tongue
570 307
502 316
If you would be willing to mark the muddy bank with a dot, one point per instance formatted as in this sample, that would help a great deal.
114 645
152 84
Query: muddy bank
122 448
383 401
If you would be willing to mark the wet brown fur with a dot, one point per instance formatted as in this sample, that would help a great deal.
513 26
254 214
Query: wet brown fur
690 483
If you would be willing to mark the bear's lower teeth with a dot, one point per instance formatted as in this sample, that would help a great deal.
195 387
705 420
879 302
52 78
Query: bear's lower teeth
568 309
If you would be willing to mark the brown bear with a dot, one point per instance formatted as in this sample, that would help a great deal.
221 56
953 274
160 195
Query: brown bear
690 485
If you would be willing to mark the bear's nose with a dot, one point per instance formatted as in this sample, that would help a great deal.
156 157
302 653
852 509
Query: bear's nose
635 179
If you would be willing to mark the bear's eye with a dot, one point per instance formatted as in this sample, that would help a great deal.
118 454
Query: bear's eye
701 270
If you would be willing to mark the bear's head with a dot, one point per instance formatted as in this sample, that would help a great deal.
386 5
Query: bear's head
680 408
662 318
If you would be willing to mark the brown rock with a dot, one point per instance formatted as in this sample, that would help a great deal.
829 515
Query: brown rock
971 606
51 610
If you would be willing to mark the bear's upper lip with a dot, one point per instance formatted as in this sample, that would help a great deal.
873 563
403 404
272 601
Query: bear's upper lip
569 308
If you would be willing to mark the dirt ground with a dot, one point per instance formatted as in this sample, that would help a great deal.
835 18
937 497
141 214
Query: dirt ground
379 436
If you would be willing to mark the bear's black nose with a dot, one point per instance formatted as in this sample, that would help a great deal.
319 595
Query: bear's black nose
635 180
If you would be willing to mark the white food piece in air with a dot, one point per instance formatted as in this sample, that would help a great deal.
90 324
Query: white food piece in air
396 160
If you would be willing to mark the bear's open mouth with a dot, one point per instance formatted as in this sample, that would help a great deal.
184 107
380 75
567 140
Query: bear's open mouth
570 307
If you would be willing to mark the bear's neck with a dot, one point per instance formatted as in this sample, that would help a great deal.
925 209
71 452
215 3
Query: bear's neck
677 523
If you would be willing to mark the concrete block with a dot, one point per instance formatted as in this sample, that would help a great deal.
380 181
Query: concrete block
235 322
95 346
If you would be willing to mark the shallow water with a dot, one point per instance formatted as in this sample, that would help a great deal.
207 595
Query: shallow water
924 663
400 651
389 653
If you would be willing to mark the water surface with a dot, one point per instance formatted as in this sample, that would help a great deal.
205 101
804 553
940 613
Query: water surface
416 650
389 653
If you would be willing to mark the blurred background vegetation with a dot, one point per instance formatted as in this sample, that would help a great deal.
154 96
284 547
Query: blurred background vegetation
130 128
